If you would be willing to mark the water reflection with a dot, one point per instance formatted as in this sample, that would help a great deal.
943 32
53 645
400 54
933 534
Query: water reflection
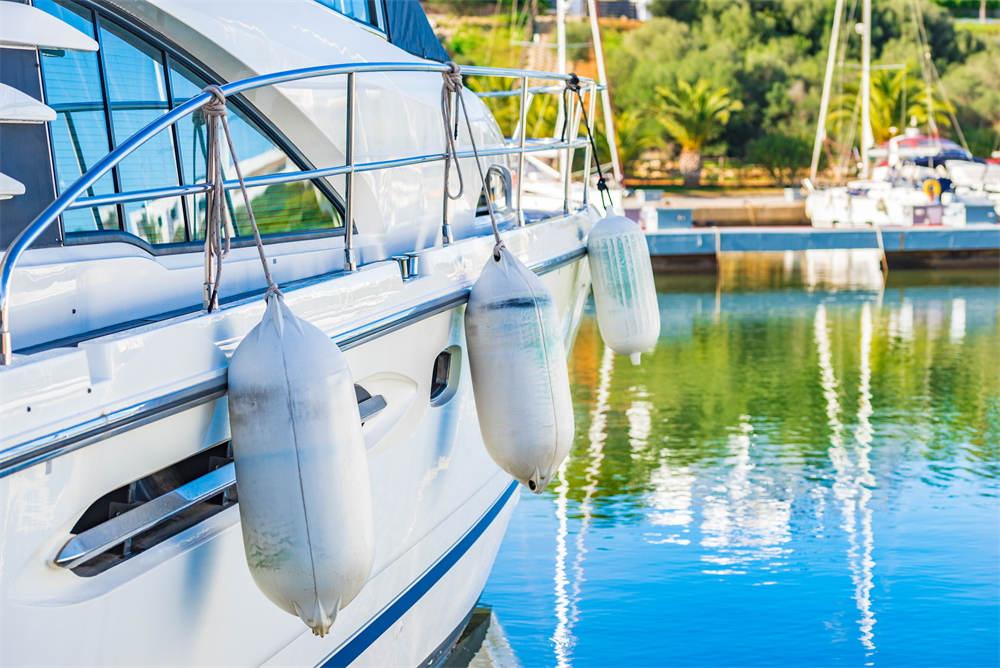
775 479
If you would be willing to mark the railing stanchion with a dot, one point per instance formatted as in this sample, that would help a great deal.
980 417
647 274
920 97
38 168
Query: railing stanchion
522 134
350 261
572 115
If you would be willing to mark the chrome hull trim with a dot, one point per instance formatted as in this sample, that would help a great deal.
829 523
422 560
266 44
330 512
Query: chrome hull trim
51 446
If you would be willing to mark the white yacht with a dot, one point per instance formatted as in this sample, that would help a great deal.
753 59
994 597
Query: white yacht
920 180
120 539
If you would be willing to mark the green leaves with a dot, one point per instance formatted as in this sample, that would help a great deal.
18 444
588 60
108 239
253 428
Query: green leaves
897 98
694 115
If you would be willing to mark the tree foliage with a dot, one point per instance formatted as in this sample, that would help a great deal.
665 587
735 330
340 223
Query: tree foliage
771 56
781 155
898 99
694 115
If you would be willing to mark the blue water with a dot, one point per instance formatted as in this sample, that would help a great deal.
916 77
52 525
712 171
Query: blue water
797 475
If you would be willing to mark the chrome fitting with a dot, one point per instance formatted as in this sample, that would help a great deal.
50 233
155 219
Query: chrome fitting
446 237
350 260
413 263
404 265
6 349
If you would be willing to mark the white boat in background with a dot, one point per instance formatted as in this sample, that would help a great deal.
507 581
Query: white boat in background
119 524
919 180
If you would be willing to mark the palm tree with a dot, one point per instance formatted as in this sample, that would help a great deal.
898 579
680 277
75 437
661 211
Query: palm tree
694 115
896 99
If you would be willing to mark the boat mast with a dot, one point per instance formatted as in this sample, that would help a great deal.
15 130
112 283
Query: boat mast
561 35
824 104
866 87
602 78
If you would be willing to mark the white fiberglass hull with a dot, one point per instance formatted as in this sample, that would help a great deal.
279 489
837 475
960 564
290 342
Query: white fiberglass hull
441 504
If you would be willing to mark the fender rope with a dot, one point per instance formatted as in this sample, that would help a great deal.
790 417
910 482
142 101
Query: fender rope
453 84
573 86
218 225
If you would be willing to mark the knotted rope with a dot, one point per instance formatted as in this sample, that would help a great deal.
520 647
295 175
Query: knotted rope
573 86
217 238
453 84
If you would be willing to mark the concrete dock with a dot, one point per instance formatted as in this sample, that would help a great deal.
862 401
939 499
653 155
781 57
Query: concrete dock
696 249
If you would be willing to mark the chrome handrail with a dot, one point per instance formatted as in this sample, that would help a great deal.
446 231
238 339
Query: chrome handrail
72 194
291 177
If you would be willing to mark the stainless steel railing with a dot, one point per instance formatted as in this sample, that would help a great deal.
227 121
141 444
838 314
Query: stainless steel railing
71 197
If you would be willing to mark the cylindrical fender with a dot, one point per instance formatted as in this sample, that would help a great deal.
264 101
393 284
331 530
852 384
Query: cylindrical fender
519 377
301 470
624 292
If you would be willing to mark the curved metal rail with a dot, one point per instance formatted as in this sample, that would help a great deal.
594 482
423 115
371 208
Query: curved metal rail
71 197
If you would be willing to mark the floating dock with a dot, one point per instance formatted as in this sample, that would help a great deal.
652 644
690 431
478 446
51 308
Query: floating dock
696 249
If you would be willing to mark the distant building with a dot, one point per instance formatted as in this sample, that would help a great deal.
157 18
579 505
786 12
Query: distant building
613 9
630 9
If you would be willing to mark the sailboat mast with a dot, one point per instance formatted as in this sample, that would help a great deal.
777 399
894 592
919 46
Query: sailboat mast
561 35
866 88
602 78
824 104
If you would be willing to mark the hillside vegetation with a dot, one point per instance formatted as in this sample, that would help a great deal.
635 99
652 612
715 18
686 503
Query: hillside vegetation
768 58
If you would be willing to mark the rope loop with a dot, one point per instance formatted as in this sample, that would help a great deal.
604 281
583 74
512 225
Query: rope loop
218 226
452 86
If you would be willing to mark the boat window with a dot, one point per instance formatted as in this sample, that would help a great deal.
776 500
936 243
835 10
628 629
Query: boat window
104 98
79 133
366 11
280 208
137 95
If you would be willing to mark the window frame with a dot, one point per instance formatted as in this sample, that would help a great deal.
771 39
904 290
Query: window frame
377 8
170 51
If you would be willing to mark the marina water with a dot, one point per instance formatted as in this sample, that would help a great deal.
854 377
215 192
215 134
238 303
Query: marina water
803 472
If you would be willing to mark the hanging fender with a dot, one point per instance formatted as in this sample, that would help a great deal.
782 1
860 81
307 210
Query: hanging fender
519 376
301 468
624 292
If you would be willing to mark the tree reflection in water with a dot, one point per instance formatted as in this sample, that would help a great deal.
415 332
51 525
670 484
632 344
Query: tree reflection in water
787 418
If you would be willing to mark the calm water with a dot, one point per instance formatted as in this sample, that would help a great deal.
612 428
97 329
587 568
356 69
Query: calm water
803 472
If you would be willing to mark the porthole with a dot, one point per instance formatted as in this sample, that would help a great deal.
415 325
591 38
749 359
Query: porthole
445 375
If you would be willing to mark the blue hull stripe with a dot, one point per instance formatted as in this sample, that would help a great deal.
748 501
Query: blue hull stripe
368 635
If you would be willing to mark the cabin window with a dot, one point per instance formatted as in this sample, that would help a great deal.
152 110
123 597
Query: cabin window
103 98
365 11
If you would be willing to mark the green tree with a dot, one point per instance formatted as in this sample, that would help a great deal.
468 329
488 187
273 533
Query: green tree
693 116
896 99
781 155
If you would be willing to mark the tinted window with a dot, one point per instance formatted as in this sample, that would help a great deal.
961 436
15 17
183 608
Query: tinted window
366 11
104 98
281 208
79 133
137 95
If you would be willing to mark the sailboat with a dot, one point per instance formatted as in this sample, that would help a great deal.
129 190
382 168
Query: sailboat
912 179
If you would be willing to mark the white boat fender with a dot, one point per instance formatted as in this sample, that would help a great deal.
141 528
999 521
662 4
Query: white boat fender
519 377
301 470
624 292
